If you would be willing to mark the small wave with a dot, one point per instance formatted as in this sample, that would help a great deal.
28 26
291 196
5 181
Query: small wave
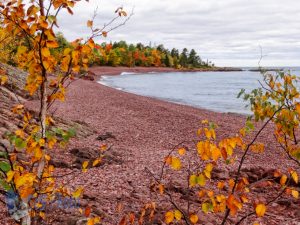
102 82
127 73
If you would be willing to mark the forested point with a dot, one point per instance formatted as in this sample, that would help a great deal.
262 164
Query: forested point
130 55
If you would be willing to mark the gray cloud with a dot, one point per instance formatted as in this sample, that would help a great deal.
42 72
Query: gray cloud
228 32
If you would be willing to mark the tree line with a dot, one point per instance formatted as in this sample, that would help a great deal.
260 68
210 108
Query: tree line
123 54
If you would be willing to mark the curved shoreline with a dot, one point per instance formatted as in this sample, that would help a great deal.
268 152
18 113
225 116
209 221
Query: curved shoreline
145 129
113 71
104 80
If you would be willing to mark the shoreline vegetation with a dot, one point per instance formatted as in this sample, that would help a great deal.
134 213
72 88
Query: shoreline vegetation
123 54
109 70
118 70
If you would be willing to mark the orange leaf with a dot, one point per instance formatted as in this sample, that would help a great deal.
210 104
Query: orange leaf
123 220
283 180
181 151
89 23
194 218
87 211
169 217
131 218
104 34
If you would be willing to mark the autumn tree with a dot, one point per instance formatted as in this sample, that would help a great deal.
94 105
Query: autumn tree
51 63
276 105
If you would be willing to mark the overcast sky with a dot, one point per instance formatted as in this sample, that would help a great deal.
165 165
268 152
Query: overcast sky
227 32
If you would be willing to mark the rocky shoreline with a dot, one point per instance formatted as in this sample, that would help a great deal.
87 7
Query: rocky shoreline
141 131
107 70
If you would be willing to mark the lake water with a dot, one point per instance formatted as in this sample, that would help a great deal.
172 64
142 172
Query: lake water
216 91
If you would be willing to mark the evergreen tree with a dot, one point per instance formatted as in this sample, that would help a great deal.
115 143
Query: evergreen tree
183 61
194 60
175 53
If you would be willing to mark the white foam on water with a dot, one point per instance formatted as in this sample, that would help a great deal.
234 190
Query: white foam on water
127 73
102 81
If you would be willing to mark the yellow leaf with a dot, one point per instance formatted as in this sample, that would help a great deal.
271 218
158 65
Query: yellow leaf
86 49
38 153
295 176
47 157
76 68
201 180
78 192
18 108
42 142
295 194
181 151
169 217
176 163
85 165
260 210
42 214
103 147
10 174
193 180
45 52
204 121
20 133
244 199
209 167
283 180
51 142
194 218
89 23
91 43
208 134
26 179
21 49
3 79
52 44
243 132
97 220
178 215
206 207
207 174
213 133
43 24
67 51
96 162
